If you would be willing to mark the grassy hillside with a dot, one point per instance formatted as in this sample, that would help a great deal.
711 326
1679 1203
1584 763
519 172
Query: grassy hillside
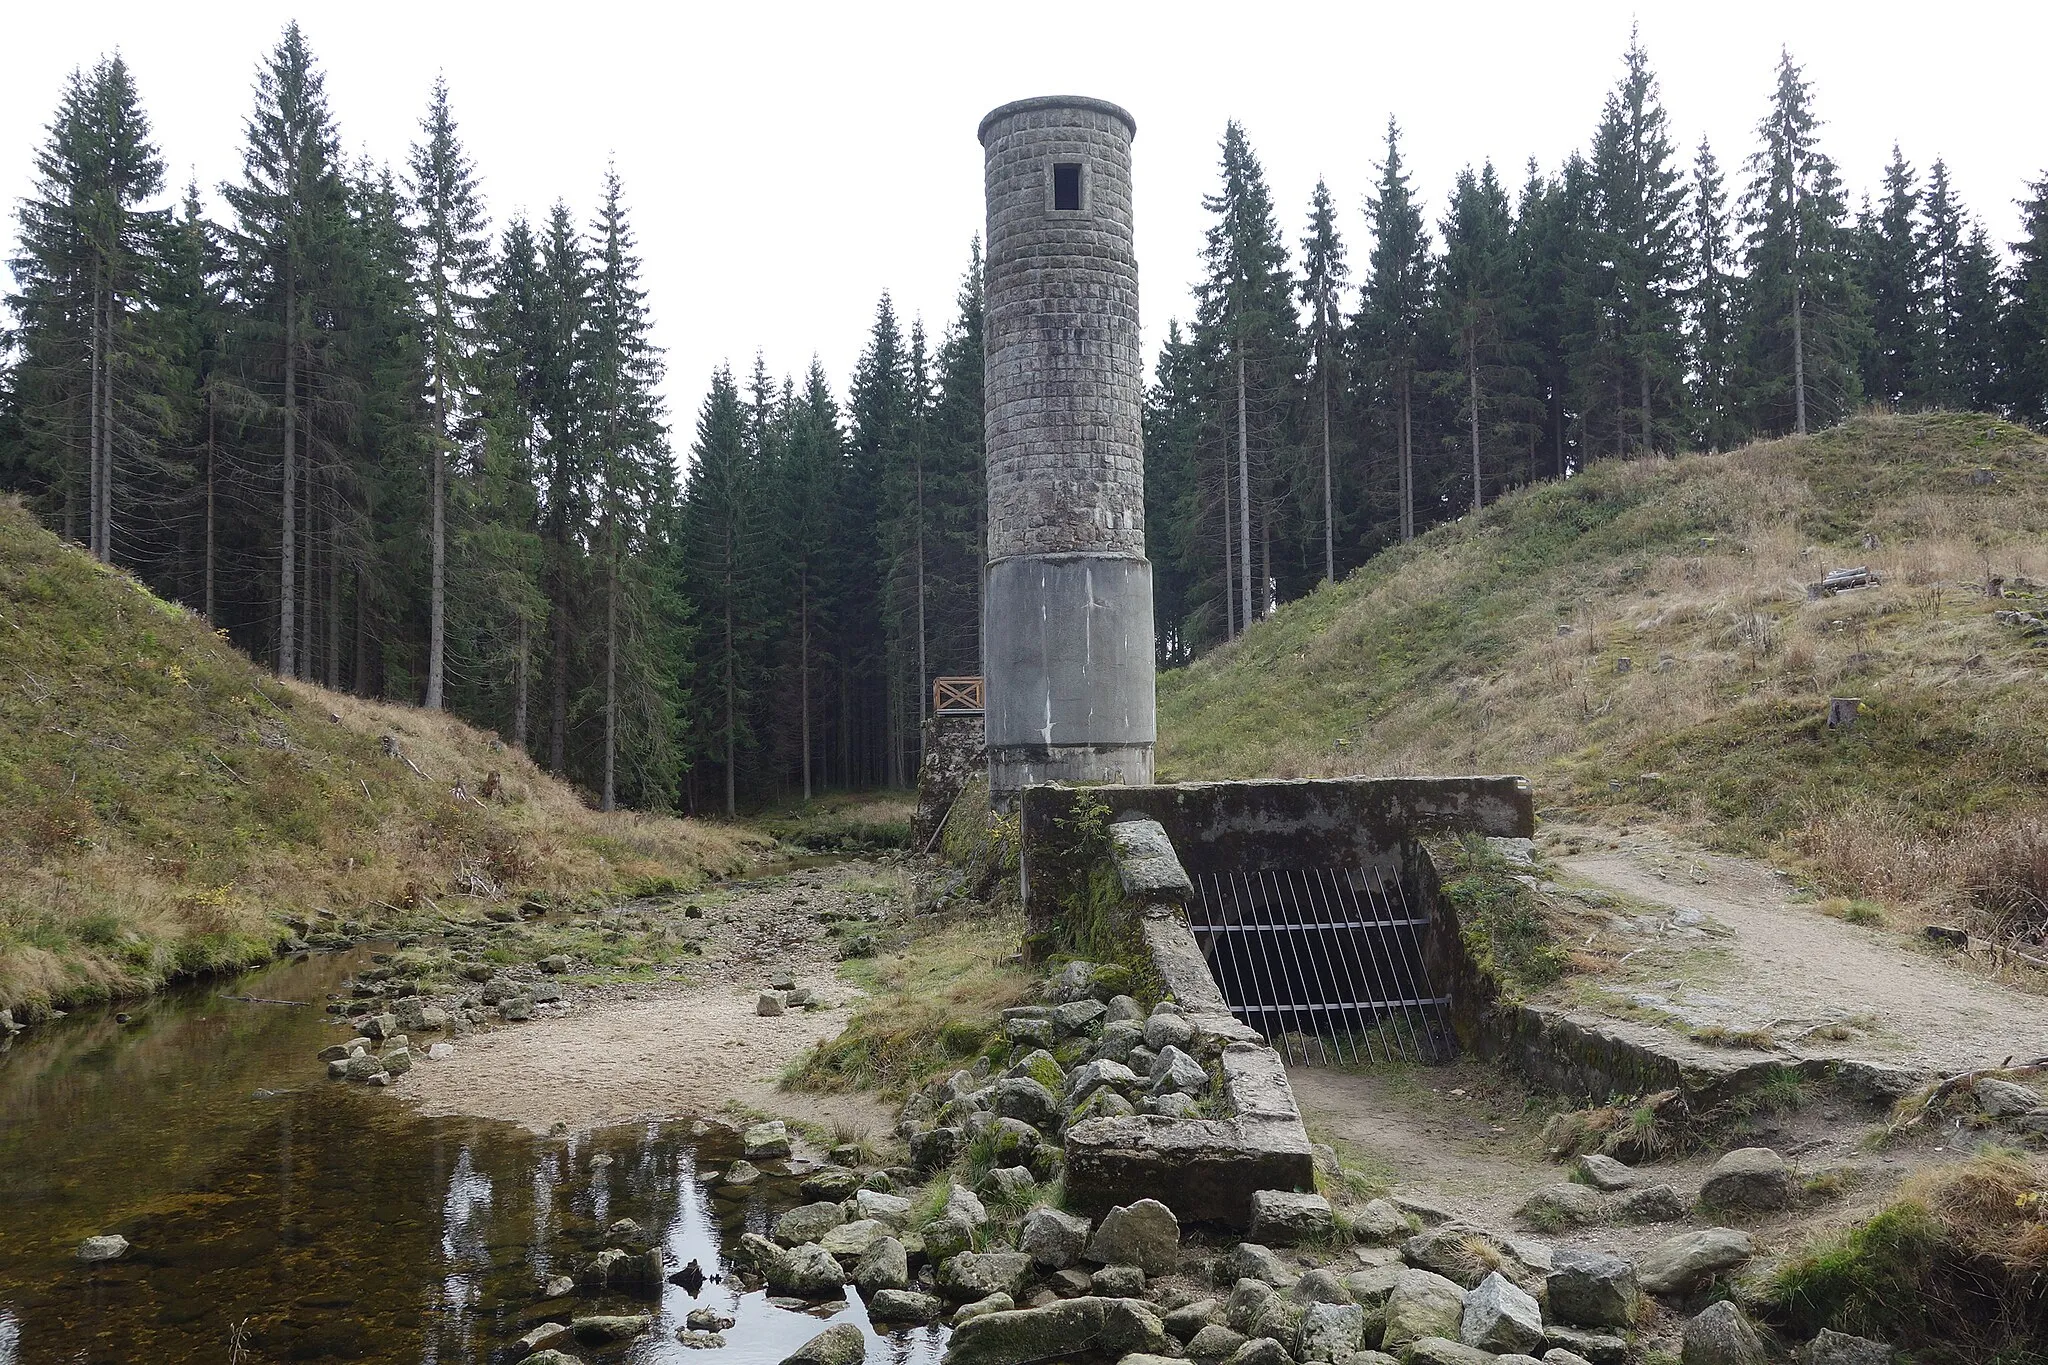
165 805
1640 641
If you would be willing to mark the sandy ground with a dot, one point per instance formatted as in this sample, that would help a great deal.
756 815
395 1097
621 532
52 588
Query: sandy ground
1789 966
677 1048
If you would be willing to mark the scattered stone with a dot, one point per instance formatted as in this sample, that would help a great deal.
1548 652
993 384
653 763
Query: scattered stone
550 1358
1052 1238
1123 1010
935 1148
1422 1304
1323 1286
1248 1299
884 1265
808 1272
1330 1331
517 1010
542 1337
1213 1342
700 1341
1012 1140
961 1204
807 1223
1252 1261
1839 1348
976 1275
1013 1184
1685 1263
1021 1097
1381 1221
1449 1251
1501 1318
901 1305
840 1345
768 1004
741 1172
1749 1180
1071 1283
605 1328
558 1286
1593 1348
1429 1212
1077 1016
892 1209
706 1320
1117 1282
1371 1285
766 1141
1088 1079
1605 1173
1144 1234
835 1182
1070 1327
397 1060
1176 1072
1103 1104
362 1066
554 964
1444 1351
1283 1218
440 1052
1259 1351
1562 1205
947 1236
108 1247
1174 1105
1163 1031
1650 1204
2003 1099
1590 1288
1191 1317
994 1303
1721 1336
1029 1032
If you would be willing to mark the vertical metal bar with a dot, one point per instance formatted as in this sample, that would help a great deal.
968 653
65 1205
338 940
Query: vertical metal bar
1401 938
1268 958
1336 1023
1374 935
1316 938
1442 1032
1230 943
1355 967
1302 950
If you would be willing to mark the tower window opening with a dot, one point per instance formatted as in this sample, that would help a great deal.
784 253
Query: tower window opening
1066 186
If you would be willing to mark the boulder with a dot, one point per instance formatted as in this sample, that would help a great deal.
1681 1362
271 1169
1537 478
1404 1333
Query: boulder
768 1004
806 1223
1103 1104
1176 1072
108 1247
1012 1184
1444 1351
1422 1304
1721 1335
1123 1010
1280 1319
1071 1327
1116 1042
947 1236
994 1303
1449 1250
1562 1205
1071 1283
807 1272
440 1052
851 1241
1685 1263
1590 1288
1163 1031
884 1265
1253 1261
1329 1331
1041 1066
1650 1204
740 1174
1029 1032
549 1357
602 1329
2003 1099
970 1275
516 1010
1500 1318
1144 1234
935 1148
1571 1346
1011 1141
1077 1016
542 1337
1086 1080
1052 1238
1117 1282
1021 1097
1259 1351
838 1345
903 1305
1839 1348
837 1183
1371 1285
892 1209
1323 1286
1283 1218
1605 1173
1381 1221
1213 1342
1747 1180
766 1141
1183 1322
961 1203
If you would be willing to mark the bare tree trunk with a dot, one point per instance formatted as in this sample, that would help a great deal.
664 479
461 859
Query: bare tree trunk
209 506
1329 503
107 431
558 701
521 665
308 497
1407 459
1229 574
1798 363
1265 561
437 593
361 668
1244 500
731 701
611 673
288 552
92 459
1643 369
924 676
803 672
1472 382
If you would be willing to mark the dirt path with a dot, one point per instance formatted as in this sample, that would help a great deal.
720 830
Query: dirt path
678 1048
1822 987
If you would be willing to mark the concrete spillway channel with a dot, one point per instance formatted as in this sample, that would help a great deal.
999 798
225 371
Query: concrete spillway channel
1302 914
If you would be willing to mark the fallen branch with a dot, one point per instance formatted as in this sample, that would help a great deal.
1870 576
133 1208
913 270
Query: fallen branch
265 1000
230 771
1963 1079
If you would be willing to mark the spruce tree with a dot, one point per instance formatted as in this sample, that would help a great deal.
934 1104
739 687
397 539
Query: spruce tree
1895 251
1324 275
2026 315
1709 326
559 385
448 220
808 493
1392 308
1974 355
1803 316
1476 292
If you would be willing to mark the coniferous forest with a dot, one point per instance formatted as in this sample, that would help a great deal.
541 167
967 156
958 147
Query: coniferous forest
388 446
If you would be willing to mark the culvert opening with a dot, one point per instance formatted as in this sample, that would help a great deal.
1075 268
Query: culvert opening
1329 964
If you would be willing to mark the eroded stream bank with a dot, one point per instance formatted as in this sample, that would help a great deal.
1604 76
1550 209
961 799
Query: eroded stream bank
276 1215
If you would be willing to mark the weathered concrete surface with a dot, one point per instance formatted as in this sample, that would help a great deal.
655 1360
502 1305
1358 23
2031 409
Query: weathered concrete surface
1146 863
1067 595
955 753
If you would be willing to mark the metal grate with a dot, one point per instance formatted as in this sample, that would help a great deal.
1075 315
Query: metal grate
1327 964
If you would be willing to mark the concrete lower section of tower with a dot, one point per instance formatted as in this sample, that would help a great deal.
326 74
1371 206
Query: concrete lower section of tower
1067 645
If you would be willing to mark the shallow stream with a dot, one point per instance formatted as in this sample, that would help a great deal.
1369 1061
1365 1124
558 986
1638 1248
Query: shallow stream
278 1216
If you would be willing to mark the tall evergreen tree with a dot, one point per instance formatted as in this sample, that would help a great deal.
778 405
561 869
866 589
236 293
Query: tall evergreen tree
1393 306
2026 316
1476 292
1802 312
448 219
1894 252
1324 274
1709 329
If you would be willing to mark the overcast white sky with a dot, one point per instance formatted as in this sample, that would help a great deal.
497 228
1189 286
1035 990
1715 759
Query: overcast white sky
786 163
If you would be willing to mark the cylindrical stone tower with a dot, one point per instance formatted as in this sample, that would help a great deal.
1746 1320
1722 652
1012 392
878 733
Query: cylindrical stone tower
1067 595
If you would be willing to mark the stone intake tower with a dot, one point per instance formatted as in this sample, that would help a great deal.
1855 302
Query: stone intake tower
1067 593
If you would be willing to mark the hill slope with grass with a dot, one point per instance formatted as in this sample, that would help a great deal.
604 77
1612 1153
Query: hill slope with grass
1641 641
166 806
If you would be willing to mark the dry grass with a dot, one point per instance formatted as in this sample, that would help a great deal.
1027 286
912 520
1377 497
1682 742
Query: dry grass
1640 641
165 806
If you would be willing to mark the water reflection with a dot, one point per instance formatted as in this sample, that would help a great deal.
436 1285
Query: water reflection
308 1220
